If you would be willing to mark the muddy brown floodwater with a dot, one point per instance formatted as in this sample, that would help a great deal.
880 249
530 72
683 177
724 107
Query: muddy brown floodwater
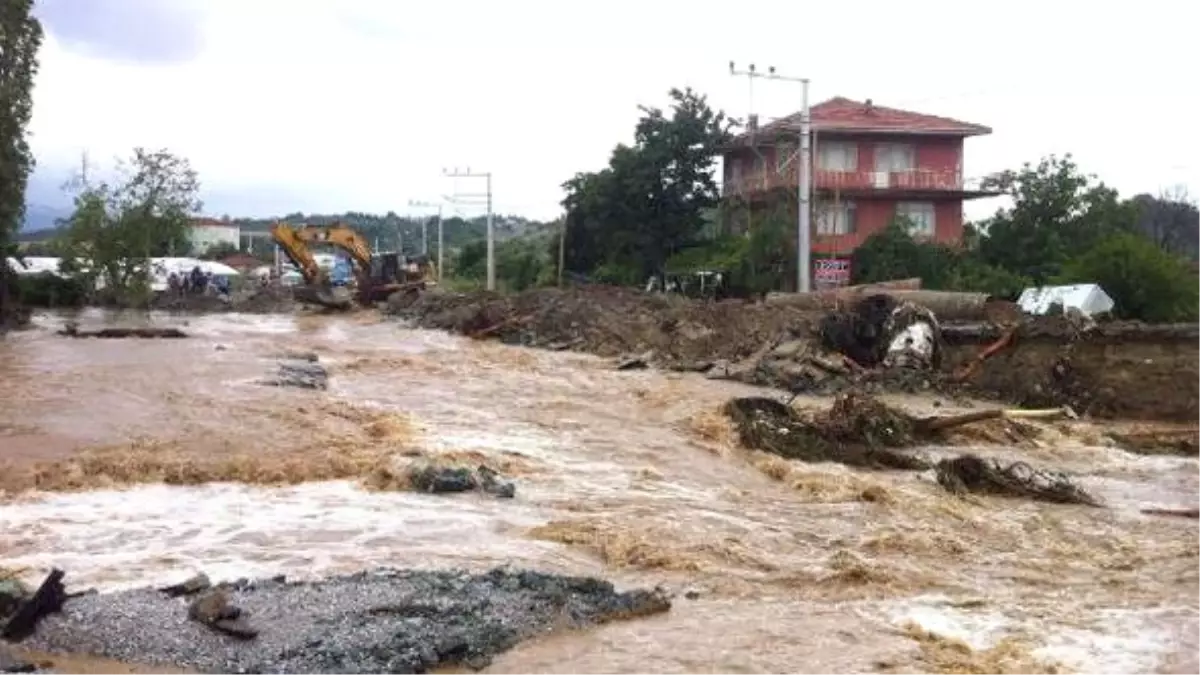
633 476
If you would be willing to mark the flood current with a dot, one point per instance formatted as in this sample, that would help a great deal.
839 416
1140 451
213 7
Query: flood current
133 462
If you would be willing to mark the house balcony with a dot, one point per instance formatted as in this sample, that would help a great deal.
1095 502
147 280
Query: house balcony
912 184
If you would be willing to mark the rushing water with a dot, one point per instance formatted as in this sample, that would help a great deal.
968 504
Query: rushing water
628 475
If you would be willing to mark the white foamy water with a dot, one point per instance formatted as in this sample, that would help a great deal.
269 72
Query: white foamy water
1106 641
111 539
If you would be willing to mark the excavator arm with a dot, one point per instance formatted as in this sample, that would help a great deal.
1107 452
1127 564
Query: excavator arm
295 248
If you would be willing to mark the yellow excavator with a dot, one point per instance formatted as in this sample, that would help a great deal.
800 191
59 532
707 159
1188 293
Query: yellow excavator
377 276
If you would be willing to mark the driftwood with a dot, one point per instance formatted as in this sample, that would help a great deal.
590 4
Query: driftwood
1181 513
980 331
971 473
48 599
72 330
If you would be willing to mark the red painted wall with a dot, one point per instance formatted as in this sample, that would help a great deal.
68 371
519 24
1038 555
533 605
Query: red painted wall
872 215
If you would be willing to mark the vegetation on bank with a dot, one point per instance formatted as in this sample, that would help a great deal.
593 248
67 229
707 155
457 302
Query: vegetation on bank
654 210
20 38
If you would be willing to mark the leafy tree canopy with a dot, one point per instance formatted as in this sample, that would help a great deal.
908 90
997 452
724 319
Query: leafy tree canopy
648 204
1058 212
117 227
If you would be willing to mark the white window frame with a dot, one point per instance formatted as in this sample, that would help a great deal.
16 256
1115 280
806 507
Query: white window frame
922 216
837 156
835 218
895 157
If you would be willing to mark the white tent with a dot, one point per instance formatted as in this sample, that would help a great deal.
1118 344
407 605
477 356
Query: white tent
1087 298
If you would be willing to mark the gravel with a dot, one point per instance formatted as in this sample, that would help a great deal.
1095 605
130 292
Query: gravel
383 621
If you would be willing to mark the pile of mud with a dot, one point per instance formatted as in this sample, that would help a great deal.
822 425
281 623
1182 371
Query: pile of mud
610 321
1115 369
257 300
383 621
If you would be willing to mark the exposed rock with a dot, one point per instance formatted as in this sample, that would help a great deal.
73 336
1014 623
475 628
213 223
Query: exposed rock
191 586
490 482
305 375
13 592
11 663
216 610
439 479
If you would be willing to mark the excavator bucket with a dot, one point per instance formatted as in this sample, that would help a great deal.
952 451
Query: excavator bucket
330 297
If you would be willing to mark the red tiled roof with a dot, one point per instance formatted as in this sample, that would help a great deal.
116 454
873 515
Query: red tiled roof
842 114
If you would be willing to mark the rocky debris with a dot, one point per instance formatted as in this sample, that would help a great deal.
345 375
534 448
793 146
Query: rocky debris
973 474
71 329
439 479
384 621
46 600
290 355
215 609
857 431
191 586
303 372
639 362
13 592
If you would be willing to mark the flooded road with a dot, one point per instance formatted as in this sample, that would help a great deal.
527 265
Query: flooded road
632 476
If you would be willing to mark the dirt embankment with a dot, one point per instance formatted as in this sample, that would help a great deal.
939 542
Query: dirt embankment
1113 370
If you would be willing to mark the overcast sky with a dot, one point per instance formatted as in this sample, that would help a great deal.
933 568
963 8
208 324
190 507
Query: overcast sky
334 105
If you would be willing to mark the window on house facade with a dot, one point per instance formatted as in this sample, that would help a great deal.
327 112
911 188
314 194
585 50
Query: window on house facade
835 218
895 157
837 156
921 217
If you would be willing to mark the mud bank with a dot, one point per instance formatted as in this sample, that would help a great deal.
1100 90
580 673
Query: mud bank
383 621
1116 370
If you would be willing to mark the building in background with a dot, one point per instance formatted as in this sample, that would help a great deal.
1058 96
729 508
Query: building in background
207 233
869 165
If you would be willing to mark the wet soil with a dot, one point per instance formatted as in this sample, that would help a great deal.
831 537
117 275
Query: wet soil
1115 370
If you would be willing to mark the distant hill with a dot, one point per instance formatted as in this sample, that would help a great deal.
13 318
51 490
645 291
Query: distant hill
42 217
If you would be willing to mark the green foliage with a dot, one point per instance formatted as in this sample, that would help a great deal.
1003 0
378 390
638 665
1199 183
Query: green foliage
20 38
117 227
220 250
895 254
655 197
1057 213
1144 281
49 290
521 263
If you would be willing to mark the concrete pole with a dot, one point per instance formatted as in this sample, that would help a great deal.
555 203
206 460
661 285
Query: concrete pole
491 239
804 234
441 244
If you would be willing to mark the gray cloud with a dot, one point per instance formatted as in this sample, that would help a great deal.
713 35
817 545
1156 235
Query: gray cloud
137 31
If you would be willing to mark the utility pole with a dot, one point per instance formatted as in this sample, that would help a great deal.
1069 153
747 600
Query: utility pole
803 171
491 234
440 240
562 249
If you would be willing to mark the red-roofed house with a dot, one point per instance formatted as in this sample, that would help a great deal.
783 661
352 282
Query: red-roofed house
870 164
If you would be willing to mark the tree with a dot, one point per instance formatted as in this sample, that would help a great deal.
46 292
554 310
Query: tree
20 38
1057 212
1170 220
894 253
1144 281
116 228
650 202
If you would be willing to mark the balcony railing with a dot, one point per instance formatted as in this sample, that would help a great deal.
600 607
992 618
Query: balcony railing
932 180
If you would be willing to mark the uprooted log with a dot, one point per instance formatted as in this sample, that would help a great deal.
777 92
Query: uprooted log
72 330
973 474
857 431
48 599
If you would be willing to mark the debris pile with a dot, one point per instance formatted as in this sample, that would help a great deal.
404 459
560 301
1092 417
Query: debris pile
71 329
971 473
383 621
299 370
439 479
857 431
